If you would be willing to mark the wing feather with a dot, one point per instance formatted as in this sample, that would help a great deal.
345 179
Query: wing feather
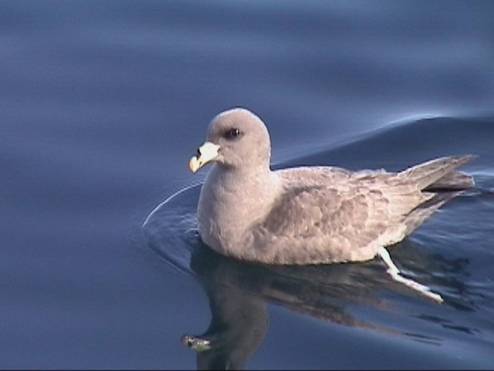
333 215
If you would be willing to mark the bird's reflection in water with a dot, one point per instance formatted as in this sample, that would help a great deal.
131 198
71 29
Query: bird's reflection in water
239 318
239 293
357 295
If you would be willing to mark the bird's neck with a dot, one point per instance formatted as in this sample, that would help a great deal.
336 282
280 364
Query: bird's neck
252 188
231 201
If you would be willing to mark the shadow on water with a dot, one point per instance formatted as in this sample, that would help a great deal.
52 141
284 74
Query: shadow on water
358 296
239 294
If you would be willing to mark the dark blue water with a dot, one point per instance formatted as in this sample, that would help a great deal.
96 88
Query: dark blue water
101 106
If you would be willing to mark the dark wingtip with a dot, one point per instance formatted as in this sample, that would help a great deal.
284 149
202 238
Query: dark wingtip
467 158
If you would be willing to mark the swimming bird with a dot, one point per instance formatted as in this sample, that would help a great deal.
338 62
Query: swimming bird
310 215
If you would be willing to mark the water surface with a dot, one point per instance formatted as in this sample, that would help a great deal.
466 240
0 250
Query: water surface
102 104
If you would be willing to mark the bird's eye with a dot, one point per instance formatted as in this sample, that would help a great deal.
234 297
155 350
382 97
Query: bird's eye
232 133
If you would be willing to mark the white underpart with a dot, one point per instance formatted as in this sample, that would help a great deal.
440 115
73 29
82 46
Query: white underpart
395 274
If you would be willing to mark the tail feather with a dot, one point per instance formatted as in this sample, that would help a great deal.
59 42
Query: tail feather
418 215
456 180
439 173
439 182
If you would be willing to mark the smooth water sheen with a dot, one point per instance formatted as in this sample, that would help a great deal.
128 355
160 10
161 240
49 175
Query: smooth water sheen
103 103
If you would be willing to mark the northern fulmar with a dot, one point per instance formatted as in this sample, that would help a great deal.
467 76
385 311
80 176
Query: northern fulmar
310 215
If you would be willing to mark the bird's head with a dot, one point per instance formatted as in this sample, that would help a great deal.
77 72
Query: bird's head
236 139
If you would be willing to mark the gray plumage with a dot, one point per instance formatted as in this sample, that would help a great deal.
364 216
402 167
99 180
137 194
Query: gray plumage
310 215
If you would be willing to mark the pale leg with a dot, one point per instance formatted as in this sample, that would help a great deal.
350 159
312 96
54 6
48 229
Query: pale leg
395 274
